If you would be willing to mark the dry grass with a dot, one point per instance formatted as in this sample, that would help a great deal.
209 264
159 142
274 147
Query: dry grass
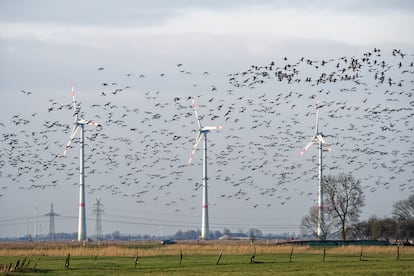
386 250
131 249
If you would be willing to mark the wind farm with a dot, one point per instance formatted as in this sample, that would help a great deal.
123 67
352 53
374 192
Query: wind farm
138 158
207 137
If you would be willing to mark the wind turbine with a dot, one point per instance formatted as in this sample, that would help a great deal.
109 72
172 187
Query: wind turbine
202 133
318 138
79 124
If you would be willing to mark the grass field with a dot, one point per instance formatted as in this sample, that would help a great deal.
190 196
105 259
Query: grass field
201 259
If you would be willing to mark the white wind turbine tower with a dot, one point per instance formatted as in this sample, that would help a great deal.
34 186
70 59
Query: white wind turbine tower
318 138
202 133
80 123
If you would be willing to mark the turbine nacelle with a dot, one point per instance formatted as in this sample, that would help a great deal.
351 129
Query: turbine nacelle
201 130
318 137
87 122
208 128
78 122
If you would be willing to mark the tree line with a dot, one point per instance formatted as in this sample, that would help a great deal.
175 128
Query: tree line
343 203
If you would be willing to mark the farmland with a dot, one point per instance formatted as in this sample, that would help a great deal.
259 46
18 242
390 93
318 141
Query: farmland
203 258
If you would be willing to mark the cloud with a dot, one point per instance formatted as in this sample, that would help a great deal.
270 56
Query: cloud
129 13
335 25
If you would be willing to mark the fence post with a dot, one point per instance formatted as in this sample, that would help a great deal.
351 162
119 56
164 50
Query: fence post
219 257
398 252
37 262
136 262
291 254
324 253
27 264
23 262
67 261
253 256
16 267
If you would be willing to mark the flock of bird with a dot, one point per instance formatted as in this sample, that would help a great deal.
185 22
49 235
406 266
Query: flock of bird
141 149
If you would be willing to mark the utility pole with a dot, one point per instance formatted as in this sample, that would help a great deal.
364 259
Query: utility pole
35 226
98 211
52 214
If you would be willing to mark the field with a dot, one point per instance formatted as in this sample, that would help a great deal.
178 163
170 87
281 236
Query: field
204 258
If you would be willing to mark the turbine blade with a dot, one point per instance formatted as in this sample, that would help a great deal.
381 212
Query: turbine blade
197 141
308 145
328 147
195 112
75 110
212 128
93 123
317 117
72 135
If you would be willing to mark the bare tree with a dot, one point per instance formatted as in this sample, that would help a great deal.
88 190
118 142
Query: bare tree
403 211
309 224
344 200
359 231
381 228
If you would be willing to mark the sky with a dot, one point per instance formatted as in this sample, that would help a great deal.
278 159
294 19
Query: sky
135 65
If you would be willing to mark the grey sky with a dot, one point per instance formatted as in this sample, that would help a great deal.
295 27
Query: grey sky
154 12
45 46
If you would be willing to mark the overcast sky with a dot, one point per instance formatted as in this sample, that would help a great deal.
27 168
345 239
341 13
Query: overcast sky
46 46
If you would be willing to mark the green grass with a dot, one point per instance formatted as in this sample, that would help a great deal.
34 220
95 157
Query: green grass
266 264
